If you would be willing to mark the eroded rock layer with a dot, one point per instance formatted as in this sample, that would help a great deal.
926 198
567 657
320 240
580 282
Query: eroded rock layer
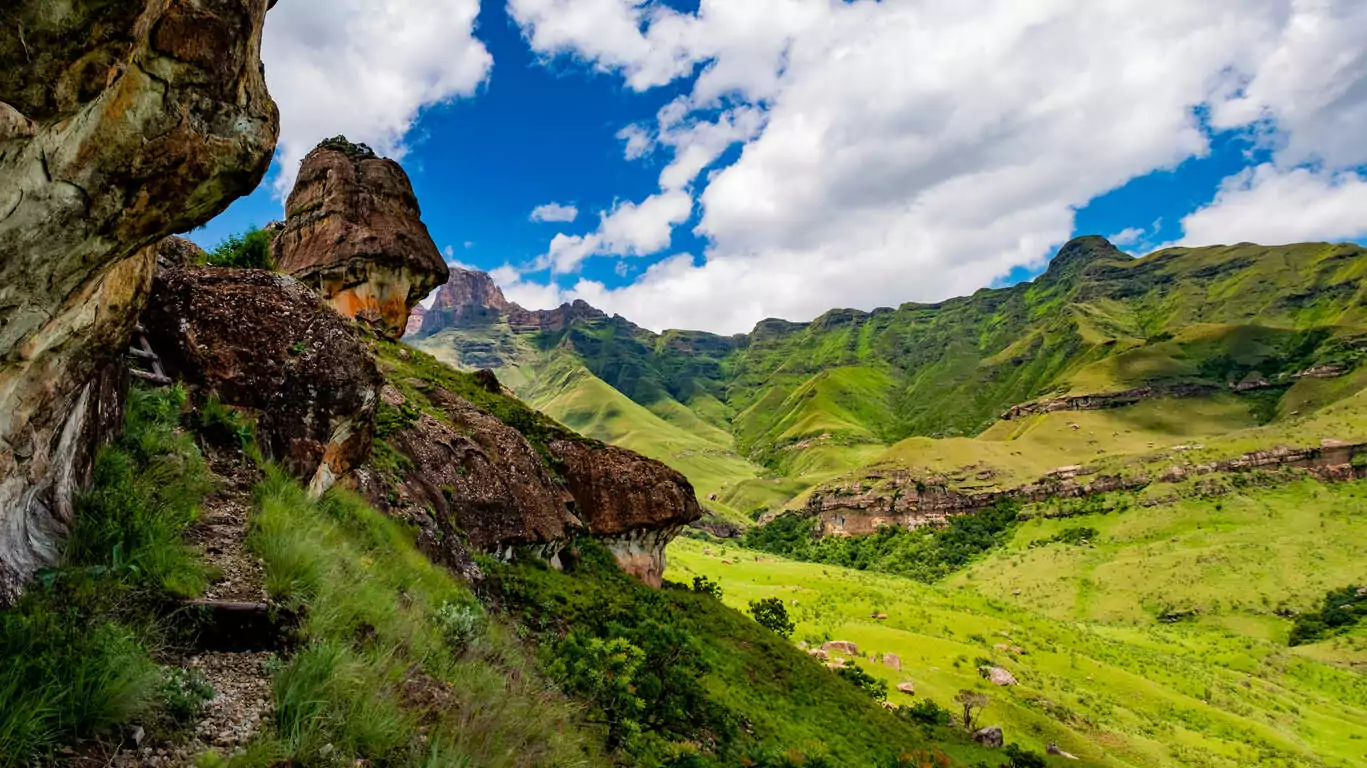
354 233
120 123
263 341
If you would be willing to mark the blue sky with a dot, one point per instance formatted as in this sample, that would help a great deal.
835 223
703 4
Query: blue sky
805 155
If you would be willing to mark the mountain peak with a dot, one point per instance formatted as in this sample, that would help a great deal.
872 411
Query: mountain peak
1082 252
470 288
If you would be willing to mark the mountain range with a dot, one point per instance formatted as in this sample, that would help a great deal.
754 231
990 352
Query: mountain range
757 419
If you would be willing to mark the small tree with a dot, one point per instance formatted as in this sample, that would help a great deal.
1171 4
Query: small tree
706 586
772 615
1019 757
251 250
604 671
972 703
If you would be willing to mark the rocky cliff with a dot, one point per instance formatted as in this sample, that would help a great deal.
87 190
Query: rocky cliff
120 123
353 232
895 498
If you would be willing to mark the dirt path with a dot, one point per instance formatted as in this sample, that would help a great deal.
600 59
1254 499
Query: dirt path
242 698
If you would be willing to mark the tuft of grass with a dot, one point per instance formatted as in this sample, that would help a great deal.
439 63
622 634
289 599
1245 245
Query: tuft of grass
398 664
74 653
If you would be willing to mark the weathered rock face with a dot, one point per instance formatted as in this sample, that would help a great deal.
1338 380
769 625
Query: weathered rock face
415 319
469 297
120 123
893 497
481 477
635 505
354 233
263 341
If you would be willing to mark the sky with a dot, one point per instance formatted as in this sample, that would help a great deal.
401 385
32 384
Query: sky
707 164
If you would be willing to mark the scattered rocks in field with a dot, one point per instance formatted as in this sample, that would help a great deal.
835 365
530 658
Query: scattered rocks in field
880 617
842 646
893 661
1054 749
817 653
997 675
907 688
991 736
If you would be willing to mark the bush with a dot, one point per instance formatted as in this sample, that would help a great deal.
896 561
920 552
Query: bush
1340 611
460 623
184 693
771 614
707 586
926 712
250 250
1019 757
875 688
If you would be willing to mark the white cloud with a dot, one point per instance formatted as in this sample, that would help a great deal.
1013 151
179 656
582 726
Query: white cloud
1272 206
638 141
910 151
528 294
628 229
1126 237
555 212
366 69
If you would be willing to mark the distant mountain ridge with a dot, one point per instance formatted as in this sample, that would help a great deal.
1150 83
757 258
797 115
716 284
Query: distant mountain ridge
813 399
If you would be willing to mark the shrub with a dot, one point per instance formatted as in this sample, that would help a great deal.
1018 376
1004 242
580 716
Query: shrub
771 614
926 712
1019 757
1340 611
460 623
875 688
184 693
250 250
707 586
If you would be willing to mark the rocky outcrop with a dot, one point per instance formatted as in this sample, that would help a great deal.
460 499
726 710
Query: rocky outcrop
635 505
415 319
468 298
991 736
263 341
881 498
482 483
353 232
120 123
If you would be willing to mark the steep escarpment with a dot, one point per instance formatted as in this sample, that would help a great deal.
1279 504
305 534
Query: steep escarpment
353 232
120 123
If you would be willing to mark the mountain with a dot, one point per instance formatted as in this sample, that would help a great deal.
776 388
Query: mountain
790 404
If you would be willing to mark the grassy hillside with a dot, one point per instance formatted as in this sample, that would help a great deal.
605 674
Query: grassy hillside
1079 626
808 401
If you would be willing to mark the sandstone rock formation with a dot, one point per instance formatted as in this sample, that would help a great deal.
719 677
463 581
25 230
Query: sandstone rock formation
469 297
841 646
997 676
120 123
353 232
635 505
263 341
881 497
480 478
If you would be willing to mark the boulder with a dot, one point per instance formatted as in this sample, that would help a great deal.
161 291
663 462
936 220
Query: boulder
633 504
817 653
175 252
841 646
120 123
892 661
991 736
997 675
907 688
482 479
354 233
265 342
1054 749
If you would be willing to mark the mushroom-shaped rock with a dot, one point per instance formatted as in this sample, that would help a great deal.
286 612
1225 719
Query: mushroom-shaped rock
991 736
353 232
120 123
633 504
263 341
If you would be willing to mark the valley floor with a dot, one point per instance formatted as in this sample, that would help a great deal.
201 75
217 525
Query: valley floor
1079 627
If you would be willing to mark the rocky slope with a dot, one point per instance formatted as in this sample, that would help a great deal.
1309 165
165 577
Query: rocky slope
119 124
353 232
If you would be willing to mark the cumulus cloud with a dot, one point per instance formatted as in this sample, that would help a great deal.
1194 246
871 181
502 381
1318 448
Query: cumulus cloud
1272 206
1126 237
628 229
366 69
555 212
897 151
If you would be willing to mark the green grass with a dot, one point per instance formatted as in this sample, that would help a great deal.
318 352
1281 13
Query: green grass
716 685
1101 675
379 675
75 653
